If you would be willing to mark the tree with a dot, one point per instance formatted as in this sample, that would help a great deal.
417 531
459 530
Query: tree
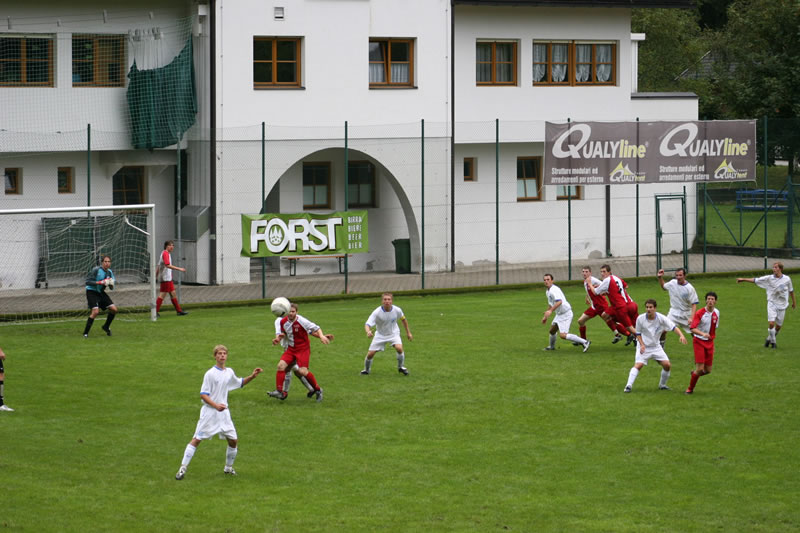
757 69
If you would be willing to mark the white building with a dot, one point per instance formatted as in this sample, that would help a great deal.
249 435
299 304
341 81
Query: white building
306 67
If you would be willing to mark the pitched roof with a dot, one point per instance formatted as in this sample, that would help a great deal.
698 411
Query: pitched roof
582 3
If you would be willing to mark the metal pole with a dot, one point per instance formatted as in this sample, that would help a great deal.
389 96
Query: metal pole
263 203
705 226
179 201
422 200
637 198
766 170
685 242
346 207
496 201
89 164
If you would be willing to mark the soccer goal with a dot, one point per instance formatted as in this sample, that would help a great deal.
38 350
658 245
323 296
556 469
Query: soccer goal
48 252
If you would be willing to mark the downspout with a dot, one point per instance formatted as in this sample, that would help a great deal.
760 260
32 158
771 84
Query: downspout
452 137
212 167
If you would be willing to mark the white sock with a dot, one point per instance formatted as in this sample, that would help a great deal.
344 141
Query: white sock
188 453
664 378
230 455
305 382
574 338
401 359
367 364
553 338
632 376
287 381
771 334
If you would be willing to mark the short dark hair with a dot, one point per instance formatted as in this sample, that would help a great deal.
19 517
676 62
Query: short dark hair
711 293
551 276
651 301
167 243
587 267
606 267
682 270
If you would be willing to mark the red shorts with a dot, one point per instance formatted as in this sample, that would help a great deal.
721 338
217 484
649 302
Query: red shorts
167 286
703 351
592 312
633 312
620 314
300 357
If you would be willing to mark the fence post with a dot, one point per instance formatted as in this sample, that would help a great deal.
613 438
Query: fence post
263 203
422 208
705 225
497 201
766 170
346 207
89 165
637 199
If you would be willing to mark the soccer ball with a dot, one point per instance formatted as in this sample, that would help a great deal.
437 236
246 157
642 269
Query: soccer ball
280 306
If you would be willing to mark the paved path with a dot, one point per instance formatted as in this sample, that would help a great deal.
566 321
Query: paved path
372 282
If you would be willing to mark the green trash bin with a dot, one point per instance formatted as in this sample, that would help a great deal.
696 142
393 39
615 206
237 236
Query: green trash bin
402 256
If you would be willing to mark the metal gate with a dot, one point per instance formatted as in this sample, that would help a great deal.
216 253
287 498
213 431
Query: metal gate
671 228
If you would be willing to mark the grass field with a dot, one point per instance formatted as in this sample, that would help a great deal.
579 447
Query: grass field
488 433
747 227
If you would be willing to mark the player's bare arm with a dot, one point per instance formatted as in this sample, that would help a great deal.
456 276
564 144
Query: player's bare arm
277 339
745 280
550 311
325 339
211 403
661 277
368 330
677 330
252 376
408 331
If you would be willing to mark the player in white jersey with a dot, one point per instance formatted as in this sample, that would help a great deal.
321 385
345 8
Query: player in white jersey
682 299
779 289
384 320
557 303
649 327
215 418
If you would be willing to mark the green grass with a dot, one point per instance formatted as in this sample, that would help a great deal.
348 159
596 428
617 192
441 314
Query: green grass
747 227
488 433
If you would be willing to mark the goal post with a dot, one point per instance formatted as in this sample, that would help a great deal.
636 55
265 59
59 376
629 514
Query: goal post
47 253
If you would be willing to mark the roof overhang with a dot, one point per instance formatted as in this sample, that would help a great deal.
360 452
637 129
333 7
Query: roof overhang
681 4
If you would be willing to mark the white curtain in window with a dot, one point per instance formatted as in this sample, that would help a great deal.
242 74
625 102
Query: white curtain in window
603 56
376 73
483 69
583 55
560 55
539 60
400 73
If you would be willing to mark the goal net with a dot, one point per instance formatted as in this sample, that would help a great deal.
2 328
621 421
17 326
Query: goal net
47 254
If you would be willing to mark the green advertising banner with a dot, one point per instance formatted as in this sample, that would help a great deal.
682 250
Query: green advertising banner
343 232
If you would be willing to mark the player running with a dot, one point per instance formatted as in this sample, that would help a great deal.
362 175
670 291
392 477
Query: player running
704 330
779 288
558 303
618 298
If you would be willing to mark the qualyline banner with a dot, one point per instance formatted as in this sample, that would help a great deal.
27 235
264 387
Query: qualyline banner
343 232
611 153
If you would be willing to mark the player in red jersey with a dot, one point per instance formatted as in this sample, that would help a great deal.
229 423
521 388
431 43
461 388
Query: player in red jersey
295 329
164 274
704 329
618 298
597 304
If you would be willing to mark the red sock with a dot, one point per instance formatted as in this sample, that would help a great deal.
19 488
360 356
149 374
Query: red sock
176 304
693 382
612 325
582 330
312 380
280 377
622 329
158 304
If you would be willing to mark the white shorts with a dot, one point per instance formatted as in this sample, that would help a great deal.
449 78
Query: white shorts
775 315
679 320
213 422
379 342
655 352
563 321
